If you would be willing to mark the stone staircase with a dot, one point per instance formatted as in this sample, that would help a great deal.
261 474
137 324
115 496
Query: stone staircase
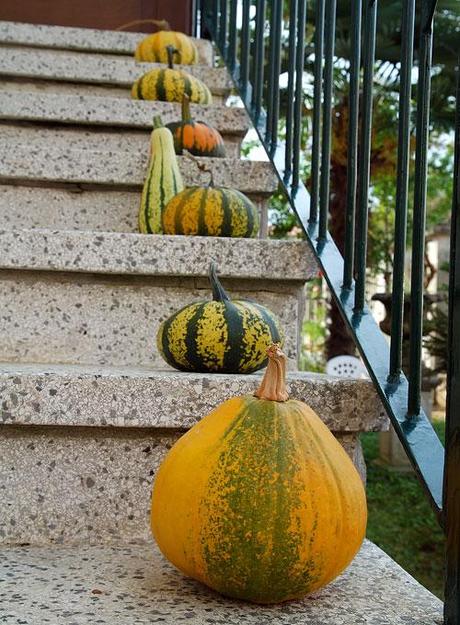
88 408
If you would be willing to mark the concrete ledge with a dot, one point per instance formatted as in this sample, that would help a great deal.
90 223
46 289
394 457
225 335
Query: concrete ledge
135 584
143 398
156 255
21 162
82 39
90 68
93 110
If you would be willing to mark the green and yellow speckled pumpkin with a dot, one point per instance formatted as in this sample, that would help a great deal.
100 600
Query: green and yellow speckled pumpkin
153 48
258 500
222 335
198 138
170 85
163 180
211 211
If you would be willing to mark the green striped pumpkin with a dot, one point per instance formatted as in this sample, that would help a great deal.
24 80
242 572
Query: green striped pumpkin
170 85
211 211
163 180
220 336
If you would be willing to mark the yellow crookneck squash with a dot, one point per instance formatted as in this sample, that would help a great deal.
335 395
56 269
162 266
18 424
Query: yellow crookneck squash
170 84
258 500
163 180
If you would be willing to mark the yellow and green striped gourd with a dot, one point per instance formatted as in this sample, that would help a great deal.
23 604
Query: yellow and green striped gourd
153 48
163 179
170 85
211 211
258 500
221 336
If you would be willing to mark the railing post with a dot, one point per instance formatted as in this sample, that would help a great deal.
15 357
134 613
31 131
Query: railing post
452 458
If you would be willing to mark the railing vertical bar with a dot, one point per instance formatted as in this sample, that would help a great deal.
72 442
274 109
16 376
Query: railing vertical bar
245 47
223 27
271 70
317 96
419 218
327 116
259 59
290 88
353 124
402 188
370 22
276 42
452 456
231 50
298 103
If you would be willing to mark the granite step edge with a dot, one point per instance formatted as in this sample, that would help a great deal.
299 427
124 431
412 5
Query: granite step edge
124 583
138 397
156 255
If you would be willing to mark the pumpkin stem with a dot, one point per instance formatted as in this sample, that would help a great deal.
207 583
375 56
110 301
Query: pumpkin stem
171 50
157 123
162 24
186 116
201 167
273 386
219 294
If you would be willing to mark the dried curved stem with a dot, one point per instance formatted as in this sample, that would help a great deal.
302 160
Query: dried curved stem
162 24
273 385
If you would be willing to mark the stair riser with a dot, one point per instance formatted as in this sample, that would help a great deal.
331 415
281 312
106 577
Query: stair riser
71 208
125 139
96 319
91 485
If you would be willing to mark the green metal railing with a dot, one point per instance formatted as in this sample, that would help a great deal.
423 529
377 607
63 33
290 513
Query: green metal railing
241 30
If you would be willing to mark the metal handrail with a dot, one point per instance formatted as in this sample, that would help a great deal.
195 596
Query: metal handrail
400 394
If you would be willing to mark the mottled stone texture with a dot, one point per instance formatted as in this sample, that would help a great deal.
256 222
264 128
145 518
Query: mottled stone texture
97 319
134 584
48 163
119 114
83 39
95 69
74 485
144 398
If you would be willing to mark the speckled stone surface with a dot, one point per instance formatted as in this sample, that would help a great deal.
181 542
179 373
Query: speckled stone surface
89 39
28 85
92 138
70 485
20 162
156 255
97 319
142 398
135 585
73 109
82 67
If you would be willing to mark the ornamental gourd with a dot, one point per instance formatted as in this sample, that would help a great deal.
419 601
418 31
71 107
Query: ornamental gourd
196 137
211 211
153 48
170 85
163 180
258 500
220 336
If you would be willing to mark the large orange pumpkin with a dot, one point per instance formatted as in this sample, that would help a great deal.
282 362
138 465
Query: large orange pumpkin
258 500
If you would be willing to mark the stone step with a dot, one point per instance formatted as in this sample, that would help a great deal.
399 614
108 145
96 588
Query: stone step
99 298
127 584
102 432
82 39
20 162
95 69
96 111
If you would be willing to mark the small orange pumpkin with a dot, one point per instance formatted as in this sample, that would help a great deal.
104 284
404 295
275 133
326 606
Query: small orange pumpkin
198 138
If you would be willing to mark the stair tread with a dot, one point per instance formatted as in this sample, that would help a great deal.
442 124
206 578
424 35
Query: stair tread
155 255
134 583
95 110
75 395
90 39
89 68
19 161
